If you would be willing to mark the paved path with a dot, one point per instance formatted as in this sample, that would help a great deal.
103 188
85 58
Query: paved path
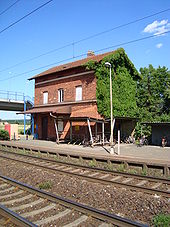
148 153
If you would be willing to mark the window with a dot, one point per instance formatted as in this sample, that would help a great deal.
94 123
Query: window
60 126
45 97
79 93
60 95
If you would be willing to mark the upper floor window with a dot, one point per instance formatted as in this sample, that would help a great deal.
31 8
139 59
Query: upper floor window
60 95
79 93
45 97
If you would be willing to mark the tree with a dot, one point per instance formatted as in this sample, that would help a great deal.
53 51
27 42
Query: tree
153 94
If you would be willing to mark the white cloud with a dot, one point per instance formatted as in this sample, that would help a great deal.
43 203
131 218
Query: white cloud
159 45
157 27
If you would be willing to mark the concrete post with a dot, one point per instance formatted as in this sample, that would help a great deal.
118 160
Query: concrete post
103 132
118 152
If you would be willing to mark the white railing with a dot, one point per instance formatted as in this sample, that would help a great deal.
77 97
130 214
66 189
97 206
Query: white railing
15 96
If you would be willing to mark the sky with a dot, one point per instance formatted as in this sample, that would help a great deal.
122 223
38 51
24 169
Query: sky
64 23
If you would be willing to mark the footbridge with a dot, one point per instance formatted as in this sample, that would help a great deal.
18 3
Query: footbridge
15 101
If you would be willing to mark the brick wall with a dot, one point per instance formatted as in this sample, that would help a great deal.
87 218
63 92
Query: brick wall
88 83
78 109
85 110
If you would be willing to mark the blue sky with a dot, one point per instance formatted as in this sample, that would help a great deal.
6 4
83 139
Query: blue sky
64 22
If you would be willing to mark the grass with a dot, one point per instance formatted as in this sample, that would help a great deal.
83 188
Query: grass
161 220
2 127
144 172
45 185
121 168
132 171
110 166
92 163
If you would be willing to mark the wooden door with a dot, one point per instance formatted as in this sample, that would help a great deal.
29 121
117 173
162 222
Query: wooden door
44 128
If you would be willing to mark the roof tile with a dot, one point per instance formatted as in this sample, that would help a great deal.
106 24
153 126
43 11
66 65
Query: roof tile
74 64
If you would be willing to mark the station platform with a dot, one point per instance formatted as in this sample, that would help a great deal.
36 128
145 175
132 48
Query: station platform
152 154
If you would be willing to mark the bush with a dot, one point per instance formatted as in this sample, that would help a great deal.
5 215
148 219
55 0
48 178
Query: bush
4 135
161 220
92 163
28 132
21 132
45 185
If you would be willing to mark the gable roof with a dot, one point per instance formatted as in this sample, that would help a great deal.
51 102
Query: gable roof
73 64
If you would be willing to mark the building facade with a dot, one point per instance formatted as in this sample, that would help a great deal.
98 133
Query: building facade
65 106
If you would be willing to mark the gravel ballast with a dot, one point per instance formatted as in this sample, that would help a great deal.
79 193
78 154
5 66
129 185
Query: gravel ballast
126 203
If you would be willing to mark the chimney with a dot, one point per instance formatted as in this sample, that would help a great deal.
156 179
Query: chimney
90 53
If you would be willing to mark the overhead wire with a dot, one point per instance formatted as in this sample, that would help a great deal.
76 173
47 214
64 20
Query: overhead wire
22 18
84 54
84 39
5 10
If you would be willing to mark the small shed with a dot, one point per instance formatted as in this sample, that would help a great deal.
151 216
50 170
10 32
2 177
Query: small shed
160 130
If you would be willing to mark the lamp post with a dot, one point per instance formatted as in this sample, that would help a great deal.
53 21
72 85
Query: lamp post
107 64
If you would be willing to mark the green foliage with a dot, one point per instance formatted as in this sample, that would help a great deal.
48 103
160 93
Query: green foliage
21 132
132 171
92 163
19 121
28 131
45 185
153 97
4 135
121 168
153 94
161 220
124 83
142 130
110 166
144 172
145 95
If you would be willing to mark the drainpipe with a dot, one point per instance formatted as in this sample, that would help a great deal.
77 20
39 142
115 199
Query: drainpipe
32 121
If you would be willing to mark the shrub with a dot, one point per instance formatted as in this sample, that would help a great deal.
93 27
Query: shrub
132 171
45 185
21 132
28 132
121 168
92 163
161 220
4 135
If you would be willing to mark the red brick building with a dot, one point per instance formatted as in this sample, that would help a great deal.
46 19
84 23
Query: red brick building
65 104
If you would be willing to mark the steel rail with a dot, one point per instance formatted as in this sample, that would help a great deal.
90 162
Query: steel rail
125 174
99 214
99 180
85 156
15 218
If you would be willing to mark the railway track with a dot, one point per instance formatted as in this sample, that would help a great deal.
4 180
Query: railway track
146 184
10 218
28 206
146 166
